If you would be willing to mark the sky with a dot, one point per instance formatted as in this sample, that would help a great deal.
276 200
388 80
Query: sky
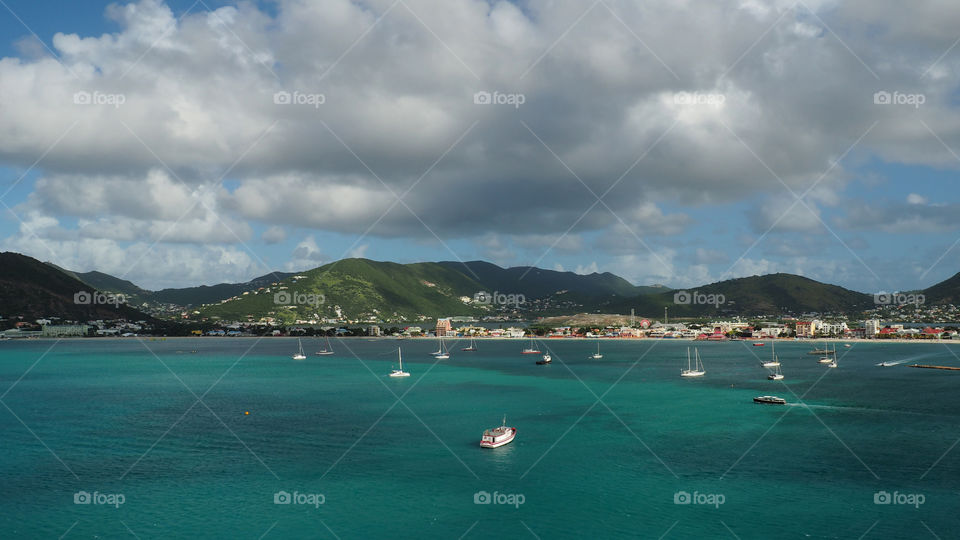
670 142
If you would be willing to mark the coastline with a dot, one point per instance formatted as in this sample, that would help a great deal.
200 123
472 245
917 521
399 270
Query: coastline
813 342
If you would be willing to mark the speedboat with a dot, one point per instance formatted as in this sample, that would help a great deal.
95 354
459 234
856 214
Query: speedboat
760 344
498 436
770 400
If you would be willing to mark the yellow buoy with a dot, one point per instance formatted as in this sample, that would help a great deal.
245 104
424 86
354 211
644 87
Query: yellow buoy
246 412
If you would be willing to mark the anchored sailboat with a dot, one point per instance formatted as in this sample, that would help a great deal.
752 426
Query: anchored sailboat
696 370
328 350
299 355
399 372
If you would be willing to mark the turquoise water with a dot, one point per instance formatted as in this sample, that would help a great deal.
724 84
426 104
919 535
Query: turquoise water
603 446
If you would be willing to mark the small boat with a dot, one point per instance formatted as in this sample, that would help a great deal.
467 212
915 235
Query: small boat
532 349
770 400
829 360
774 361
776 375
847 345
697 369
823 351
597 355
399 372
887 364
545 360
498 436
443 354
760 344
328 350
300 355
471 348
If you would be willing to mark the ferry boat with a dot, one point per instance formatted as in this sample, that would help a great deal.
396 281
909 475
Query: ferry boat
399 372
545 360
532 349
499 436
300 355
770 400
326 351
697 369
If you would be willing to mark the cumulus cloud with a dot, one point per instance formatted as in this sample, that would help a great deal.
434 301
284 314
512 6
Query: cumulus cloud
339 116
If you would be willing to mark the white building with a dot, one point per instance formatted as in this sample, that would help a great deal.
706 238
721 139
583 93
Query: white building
832 329
872 327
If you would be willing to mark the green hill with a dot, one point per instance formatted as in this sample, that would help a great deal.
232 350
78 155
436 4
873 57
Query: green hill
756 295
32 289
358 289
945 292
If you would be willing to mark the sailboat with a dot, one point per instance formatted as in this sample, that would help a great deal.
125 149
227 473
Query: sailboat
300 355
532 349
326 351
443 353
827 359
697 369
399 372
776 375
833 364
597 355
471 348
773 362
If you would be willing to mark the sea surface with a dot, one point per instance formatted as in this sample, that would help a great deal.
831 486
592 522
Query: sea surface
199 437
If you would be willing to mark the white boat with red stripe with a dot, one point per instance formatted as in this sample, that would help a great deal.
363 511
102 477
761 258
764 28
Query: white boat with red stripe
499 436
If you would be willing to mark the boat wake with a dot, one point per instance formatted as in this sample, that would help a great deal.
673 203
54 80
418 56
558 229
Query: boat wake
859 409
898 362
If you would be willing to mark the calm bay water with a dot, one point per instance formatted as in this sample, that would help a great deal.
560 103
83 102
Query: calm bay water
604 446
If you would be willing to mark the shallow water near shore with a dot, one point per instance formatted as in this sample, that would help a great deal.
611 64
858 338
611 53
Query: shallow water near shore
613 446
